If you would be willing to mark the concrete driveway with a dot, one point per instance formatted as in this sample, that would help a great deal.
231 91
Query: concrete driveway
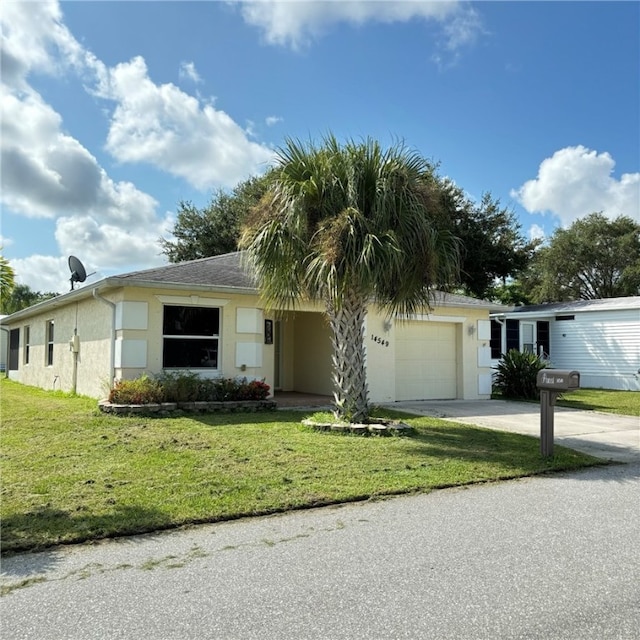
603 435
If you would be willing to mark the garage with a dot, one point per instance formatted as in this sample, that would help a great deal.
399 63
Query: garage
426 361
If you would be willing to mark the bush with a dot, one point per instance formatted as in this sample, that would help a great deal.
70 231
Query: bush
189 387
180 387
142 390
517 373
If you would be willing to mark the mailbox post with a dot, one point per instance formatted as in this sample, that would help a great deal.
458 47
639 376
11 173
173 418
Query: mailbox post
552 382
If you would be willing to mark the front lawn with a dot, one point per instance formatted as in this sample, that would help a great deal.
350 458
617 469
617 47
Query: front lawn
622 402
71 474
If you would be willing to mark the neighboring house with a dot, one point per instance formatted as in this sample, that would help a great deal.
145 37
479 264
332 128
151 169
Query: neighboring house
206 316
598 338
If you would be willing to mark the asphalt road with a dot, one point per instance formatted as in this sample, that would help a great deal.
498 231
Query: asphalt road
553 557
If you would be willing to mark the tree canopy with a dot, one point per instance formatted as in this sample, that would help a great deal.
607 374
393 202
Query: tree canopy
7 279
493 248
349 224
214 229
594 258
21 297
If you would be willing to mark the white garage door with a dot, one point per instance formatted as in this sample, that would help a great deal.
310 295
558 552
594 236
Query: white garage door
426 361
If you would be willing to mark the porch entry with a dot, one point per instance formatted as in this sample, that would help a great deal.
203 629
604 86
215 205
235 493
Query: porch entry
302 353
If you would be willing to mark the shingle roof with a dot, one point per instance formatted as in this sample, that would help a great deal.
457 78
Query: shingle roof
224 270
458 300
604 304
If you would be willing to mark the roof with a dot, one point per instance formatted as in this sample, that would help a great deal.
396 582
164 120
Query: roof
217 273
577 306
458 300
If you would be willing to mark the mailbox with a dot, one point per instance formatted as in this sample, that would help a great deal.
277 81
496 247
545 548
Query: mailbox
552 382
558 380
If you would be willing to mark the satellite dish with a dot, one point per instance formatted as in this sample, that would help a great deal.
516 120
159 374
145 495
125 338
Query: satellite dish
78 273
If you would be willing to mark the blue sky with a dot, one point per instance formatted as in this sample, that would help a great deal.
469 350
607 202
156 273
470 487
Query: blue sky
114 112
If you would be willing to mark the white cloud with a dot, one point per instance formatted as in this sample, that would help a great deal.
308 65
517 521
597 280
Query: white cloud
163 126
536 232
5 242
272 120
43 273
112 226
188 70
48 173
577 181
298 23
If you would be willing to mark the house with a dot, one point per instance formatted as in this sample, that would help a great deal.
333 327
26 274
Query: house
598 338
206 316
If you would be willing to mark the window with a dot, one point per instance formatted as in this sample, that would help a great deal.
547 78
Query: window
496 340
564 318
190 337
27 343
49 338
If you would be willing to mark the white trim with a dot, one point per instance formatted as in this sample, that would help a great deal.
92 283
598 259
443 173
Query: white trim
429 317
193 301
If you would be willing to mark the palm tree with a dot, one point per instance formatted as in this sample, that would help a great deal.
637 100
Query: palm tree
349 224
7 278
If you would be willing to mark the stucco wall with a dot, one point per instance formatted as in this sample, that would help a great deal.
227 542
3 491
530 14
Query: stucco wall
133 325
242 351
472 355
312 354
92 324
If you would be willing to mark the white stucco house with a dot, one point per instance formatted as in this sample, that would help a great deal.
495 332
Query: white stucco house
206 316
598 338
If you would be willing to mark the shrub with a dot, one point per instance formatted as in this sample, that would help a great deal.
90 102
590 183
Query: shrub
180 386
185 386
142 390
517 373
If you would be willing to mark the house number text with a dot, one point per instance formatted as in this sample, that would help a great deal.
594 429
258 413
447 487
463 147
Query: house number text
379 340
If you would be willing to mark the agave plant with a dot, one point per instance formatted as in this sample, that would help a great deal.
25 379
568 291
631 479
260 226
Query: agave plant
517 373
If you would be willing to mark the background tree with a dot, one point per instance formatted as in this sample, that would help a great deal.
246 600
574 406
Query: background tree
215 229
493 248
349 225
511 293
22 297
7 278
594 258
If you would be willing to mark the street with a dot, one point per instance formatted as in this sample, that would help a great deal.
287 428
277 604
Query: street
550 557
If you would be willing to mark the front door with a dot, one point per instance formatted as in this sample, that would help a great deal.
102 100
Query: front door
277 355
527 337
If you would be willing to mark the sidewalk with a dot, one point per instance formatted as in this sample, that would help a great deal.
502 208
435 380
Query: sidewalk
604 435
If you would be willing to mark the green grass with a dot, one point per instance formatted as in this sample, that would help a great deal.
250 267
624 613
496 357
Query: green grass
626 403
71 474
621 402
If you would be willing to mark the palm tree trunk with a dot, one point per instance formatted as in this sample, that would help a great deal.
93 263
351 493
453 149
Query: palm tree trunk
351 392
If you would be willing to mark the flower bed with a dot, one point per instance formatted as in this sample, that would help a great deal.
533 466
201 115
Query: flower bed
378 427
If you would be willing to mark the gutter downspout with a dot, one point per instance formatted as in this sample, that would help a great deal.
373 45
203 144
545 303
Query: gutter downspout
503 335
112 356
